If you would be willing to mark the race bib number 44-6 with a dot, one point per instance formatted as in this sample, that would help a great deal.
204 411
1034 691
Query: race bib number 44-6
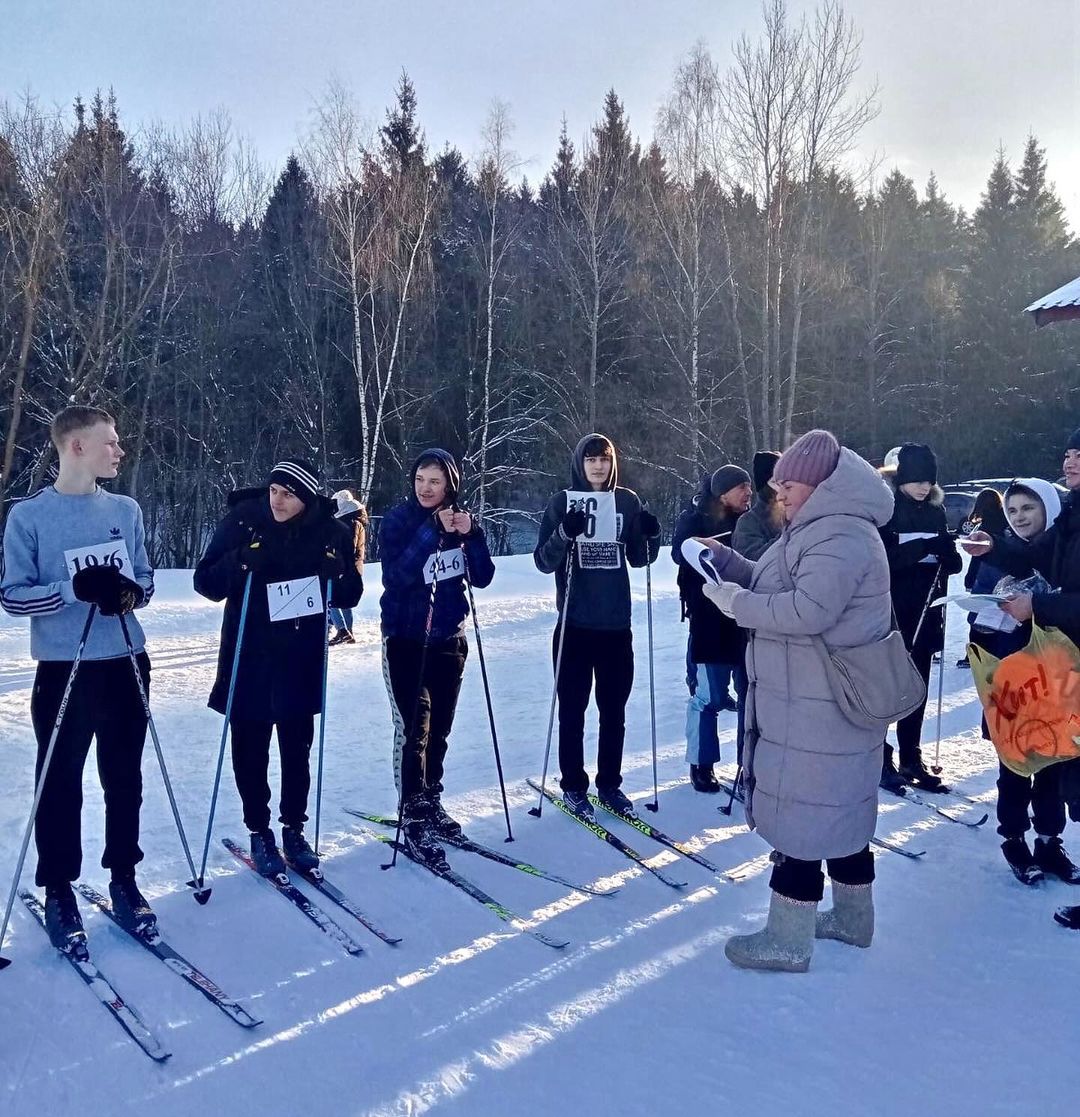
113 553
301 597
444 565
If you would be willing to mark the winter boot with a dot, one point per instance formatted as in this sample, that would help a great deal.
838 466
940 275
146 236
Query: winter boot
891 779
851 918
728 702
918 775
265 854
342 636
63 922
1020 861
130 907
703 779
615 800
1051 857
1068 917
786 943
296 849
417 833
442 825
578 802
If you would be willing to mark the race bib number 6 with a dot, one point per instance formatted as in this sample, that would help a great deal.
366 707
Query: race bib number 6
444 565
113 553
301 597
599 509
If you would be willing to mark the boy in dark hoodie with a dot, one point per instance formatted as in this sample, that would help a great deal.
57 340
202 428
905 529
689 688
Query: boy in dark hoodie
587 537
922 556
287 538
760 527
427 545
716 649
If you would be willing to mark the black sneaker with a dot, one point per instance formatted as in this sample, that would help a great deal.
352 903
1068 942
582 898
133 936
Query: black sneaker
919 776
63 921
130 907
1068 917
891 780
963 661
703 779
266 855
615 800
296 849
441 823
417 834
342 636
578 802
1020 861
1051 857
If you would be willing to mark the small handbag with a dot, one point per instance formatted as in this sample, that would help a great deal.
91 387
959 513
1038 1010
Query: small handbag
873 684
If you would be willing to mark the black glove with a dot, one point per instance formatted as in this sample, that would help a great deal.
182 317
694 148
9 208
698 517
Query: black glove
332 565
255 556
942 545
650 525
108 589
573 523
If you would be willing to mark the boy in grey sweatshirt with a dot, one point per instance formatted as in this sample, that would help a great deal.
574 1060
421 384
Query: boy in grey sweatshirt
69 547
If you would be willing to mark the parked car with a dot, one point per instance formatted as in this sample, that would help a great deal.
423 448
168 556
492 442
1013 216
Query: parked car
958 506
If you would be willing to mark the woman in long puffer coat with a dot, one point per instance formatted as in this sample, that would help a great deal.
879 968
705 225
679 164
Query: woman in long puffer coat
812 774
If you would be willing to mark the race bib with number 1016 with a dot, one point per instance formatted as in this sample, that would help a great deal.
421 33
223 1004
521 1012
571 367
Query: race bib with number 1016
444 565
301 597
113 553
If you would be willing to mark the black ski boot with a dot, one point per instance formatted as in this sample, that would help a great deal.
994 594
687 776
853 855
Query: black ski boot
891 780
130 907
1020 861
1051 857
915 772
63 922
442 825
615 800
1068 917
728 702
578 802
296 849
703 779
265 854
417 833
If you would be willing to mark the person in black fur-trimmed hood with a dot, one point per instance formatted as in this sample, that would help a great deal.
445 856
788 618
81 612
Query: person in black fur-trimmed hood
602 537
428 545
286 537
922 555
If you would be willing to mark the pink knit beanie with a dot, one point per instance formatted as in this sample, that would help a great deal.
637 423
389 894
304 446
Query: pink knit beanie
809 459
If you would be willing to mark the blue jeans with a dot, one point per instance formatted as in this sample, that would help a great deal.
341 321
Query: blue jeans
708 684
341 618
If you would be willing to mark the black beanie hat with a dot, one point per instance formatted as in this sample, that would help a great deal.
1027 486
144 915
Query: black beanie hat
916 463
298 476
1074 440
764 464
726 478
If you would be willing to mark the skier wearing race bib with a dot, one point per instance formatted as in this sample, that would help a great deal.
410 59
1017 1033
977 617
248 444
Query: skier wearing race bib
69 547
428 546
286 539
601 527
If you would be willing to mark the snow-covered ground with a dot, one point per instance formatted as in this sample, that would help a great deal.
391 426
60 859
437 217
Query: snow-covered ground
966 1004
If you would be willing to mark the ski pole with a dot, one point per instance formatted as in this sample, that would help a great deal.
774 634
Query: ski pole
936 766
926 604
415 720
322 716
654 806
201 893
487 696
40 788
538 809
225 726
734 787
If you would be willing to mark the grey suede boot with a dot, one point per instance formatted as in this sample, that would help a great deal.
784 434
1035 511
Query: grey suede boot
851 918
785 944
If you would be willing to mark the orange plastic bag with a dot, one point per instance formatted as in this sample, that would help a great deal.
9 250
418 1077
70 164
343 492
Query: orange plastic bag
1032 700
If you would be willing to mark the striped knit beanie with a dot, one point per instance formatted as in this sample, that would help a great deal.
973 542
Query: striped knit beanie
298 476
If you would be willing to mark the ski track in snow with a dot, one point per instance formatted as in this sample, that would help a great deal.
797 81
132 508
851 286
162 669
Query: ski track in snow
640 1014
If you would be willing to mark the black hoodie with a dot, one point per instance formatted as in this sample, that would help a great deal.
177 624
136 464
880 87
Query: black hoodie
600 588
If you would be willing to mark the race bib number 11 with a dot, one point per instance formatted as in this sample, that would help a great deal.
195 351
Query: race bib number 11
302 597
113 553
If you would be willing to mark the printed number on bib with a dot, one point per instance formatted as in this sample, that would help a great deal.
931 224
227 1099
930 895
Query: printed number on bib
599 509
444 564
113 553
302 597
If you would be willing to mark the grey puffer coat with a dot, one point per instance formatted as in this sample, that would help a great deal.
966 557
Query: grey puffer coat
813 775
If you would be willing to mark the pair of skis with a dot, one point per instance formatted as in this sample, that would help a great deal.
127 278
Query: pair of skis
913 796
125 1014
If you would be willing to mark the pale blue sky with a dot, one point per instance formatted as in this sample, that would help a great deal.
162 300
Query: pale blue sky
957 77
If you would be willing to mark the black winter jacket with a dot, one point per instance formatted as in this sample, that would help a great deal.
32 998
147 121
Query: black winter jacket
281 662
757 529
714 638
915 582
